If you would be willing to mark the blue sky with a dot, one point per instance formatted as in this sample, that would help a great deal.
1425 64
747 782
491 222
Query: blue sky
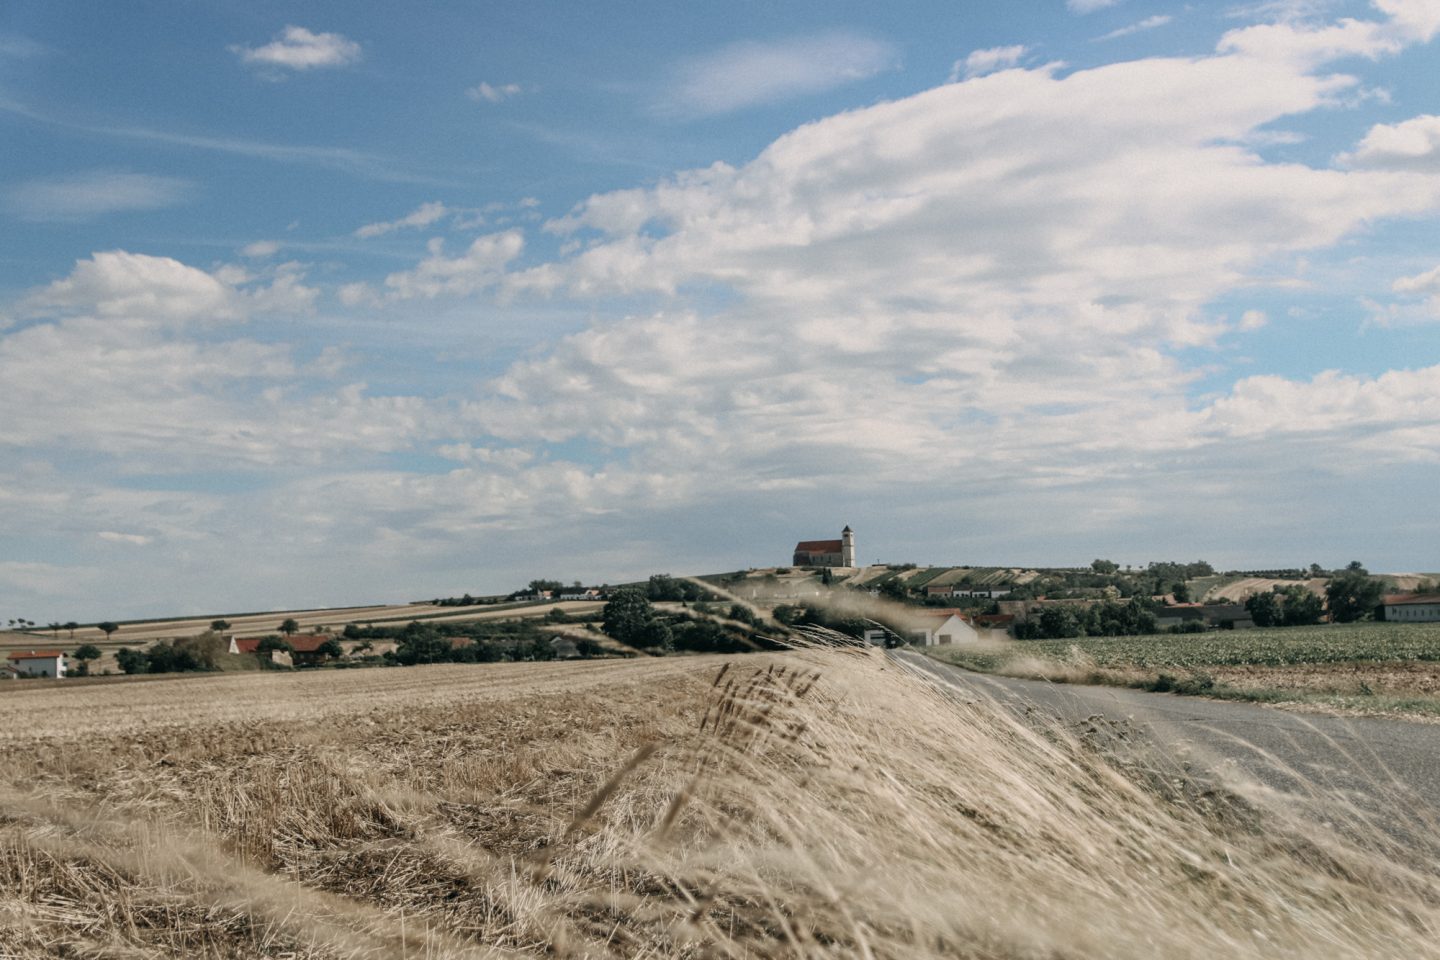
320 303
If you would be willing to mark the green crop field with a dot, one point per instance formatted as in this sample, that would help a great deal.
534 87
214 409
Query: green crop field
1275 647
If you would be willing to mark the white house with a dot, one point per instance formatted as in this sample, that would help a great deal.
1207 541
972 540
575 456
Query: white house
1412 608
942 626
38 663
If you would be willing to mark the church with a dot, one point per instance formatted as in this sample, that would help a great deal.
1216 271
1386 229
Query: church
826 553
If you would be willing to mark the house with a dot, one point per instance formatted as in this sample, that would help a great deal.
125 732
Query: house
826 553
989 593
1411 607
37 663
940 627
1224 616
995 621
305 648
582 593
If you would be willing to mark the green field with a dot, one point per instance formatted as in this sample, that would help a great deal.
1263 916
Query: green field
1275 647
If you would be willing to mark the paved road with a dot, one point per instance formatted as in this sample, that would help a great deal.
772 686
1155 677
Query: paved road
1387 770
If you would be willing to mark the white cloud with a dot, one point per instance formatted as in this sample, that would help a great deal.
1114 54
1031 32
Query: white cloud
135 286
754 72
481 265
1426 282
260 249
422 216
1253 320
494 93
1413 144
133 539
981 62
297 48
1309 44
1140 26
85 196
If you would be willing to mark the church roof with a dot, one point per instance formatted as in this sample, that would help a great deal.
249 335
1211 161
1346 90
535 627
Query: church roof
818 546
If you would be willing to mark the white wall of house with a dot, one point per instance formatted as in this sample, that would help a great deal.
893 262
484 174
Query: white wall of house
950 630
39 666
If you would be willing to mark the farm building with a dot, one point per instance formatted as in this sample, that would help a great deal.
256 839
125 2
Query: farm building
1227 616
826 553
940 627
37 663
306 648
1412 608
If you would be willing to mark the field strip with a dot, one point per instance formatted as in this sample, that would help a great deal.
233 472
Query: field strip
244 699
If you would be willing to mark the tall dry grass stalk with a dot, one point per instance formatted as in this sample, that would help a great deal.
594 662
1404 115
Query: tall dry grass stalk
820 803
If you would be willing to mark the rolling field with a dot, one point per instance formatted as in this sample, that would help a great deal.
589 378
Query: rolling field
810 804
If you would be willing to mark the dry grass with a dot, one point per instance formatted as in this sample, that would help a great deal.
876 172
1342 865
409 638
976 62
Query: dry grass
814 804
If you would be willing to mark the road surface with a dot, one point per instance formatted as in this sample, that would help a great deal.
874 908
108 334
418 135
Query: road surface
1346 771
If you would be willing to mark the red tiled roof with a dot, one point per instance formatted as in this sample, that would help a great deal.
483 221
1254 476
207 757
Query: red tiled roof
818 546
36 655
309 643
1395 599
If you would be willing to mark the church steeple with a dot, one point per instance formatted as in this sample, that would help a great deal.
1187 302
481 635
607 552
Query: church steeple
847 547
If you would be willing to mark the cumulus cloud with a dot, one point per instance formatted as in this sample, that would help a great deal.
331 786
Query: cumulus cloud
163 389
422 216
84 196
981 62
1413 144
494 93
297 48
757 72
481 265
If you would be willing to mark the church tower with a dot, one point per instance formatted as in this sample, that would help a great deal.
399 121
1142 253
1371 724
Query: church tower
847 547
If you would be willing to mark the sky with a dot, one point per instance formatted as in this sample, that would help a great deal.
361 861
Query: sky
325 303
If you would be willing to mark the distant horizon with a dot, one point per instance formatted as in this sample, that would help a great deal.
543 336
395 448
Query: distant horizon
42 623
336 301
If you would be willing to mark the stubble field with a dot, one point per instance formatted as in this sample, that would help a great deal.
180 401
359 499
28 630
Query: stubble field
809 804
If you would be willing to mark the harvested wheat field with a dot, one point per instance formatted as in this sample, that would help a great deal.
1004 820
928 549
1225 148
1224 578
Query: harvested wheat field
809 804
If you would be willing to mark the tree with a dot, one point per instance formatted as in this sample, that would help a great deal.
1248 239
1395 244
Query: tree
331 648
1352 596
1104 566
131 661
423 643
108 627
55 628
272 643
1181 592
289 627
1301 607
219 626
630 618
1264 609
85 653
72 626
